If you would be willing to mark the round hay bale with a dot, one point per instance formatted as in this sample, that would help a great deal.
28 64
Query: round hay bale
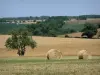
82 54
53 54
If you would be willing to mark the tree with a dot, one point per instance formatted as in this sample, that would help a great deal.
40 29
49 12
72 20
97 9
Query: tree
52 33
89 30
2 20
19 40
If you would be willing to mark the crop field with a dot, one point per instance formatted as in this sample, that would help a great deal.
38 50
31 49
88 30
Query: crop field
68 46
68 65
35 63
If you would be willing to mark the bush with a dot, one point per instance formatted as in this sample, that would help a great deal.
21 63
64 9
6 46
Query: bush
88 33
89 30
66 36
54 35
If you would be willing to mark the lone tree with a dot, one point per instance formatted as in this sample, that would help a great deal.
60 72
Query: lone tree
19 40
89 30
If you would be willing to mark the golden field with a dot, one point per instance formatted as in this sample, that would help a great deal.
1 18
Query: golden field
68 46
34 62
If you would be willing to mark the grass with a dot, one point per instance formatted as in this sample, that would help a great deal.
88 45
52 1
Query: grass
76 27
40 66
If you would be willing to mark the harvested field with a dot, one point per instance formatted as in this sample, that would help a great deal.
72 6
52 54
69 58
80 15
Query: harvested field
34 62
68 46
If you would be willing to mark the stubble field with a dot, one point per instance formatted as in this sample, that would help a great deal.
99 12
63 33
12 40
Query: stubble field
34 62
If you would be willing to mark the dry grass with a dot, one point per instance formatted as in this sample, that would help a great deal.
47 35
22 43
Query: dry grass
68 46
77 34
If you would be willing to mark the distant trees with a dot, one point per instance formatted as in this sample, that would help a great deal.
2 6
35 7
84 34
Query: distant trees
3 20
89 30
82 17
53 26
19 40
50 27
27 18
46 25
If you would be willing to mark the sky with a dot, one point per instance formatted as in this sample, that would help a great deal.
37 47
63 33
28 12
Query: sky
23 8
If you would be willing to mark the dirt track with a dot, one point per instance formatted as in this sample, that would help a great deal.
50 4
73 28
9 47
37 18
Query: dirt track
68 46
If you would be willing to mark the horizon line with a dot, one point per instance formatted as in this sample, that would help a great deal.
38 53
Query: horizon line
45 15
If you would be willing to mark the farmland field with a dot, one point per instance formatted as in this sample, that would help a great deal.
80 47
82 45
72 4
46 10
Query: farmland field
54 37
68 46
6 28
41 66
34 62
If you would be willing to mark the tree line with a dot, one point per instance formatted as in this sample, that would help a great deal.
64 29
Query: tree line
80 17
53 26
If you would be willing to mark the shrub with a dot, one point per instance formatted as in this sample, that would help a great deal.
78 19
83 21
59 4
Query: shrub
89 30
66 35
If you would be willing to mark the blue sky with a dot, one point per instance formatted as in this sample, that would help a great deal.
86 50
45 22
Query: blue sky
19 8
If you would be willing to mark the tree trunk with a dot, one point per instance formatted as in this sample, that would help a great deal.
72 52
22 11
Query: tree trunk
19 52
22 52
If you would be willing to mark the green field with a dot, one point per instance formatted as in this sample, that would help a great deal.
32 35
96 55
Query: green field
69 65
6 28
76 27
